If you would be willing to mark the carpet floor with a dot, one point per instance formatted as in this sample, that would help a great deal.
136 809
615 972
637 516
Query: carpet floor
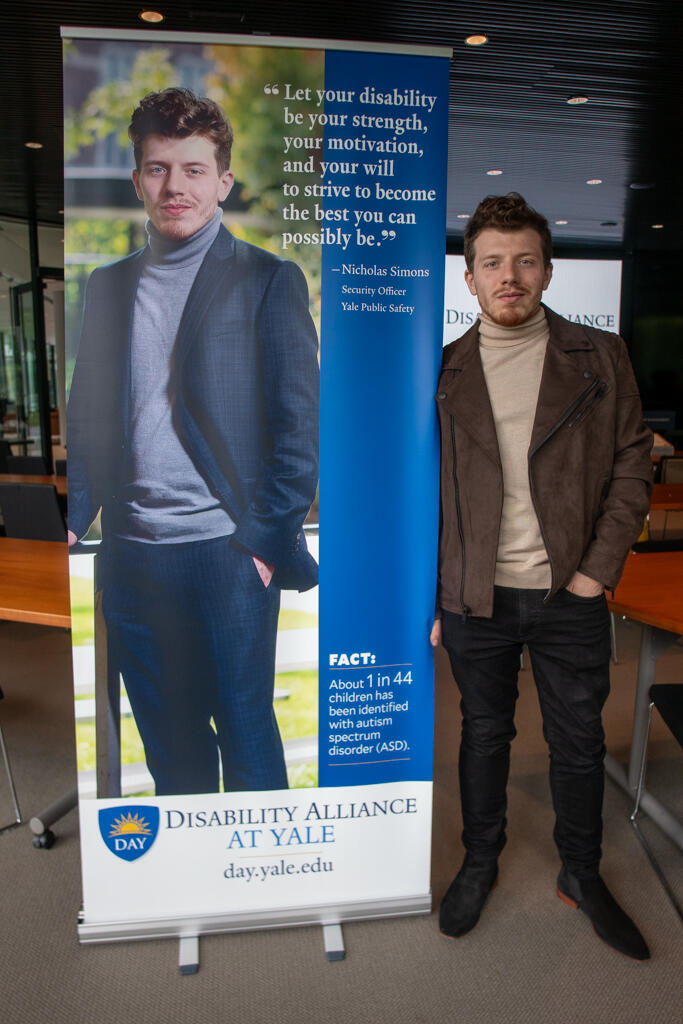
530 959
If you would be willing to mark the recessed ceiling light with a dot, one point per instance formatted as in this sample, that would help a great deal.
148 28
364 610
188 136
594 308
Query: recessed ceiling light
476 40
561 221
594 181
657 225
608 224
639 186
576 100
60 211
153 17
463 216
494 173
33 145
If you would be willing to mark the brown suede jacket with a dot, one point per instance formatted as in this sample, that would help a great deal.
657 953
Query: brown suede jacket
589 464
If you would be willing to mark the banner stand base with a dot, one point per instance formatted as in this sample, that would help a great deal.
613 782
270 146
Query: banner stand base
334 942
188 954
189 930
188 948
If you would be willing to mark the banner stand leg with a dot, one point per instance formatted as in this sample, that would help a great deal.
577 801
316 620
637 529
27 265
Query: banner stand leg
334 942
188 954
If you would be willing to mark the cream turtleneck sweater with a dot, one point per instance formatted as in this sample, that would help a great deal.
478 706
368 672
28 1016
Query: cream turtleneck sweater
512 358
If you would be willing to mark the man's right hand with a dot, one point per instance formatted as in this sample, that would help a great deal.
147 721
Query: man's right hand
435 635
264 570
71 538
584 586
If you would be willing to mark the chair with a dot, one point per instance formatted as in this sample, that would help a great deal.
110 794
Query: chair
671 469
665 525
31 512
10 779
60 467
668 699
33 465
5 454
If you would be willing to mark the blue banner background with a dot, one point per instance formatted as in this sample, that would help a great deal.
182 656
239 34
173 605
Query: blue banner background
379 445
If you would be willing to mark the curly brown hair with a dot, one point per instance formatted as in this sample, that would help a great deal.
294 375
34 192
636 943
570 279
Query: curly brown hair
506 213
177 113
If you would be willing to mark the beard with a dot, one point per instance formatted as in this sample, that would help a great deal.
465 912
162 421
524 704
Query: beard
179 228
174 230
512 316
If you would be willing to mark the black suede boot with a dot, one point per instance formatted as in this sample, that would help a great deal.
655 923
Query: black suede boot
466 895
610 922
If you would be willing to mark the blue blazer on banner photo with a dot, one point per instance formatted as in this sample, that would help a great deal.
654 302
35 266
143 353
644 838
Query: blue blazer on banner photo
246 381
191 623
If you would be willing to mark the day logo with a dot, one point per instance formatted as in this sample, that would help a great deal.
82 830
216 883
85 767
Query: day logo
129 831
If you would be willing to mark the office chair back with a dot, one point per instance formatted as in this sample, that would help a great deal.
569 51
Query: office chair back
668 699
31 512
33 465
5 454
672 470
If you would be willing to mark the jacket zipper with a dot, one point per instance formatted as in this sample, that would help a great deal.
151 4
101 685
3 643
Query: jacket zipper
458 516
589 405
570 412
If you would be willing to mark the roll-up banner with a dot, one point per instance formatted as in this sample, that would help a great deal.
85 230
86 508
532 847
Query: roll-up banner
254 277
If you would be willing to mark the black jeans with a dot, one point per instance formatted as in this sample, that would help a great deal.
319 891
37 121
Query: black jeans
569 644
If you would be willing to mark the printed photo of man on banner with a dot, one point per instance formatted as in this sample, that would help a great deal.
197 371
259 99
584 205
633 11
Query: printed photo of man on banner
193 419
193 428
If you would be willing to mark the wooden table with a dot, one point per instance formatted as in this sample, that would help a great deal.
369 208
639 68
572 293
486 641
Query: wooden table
34 587
650 592
30 478
34 582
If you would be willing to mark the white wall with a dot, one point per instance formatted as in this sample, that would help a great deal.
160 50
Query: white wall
585 291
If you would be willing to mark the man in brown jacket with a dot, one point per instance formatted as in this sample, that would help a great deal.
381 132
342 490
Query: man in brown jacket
545 482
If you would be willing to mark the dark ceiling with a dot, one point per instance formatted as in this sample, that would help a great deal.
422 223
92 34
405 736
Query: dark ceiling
508 108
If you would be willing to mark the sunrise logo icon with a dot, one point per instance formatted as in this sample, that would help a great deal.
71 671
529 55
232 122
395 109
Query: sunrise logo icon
130 824
129 832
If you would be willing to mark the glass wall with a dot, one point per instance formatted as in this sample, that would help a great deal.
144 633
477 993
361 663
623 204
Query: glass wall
21 409
17 372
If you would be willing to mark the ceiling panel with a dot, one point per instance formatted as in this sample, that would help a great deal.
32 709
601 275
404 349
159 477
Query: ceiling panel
508 105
